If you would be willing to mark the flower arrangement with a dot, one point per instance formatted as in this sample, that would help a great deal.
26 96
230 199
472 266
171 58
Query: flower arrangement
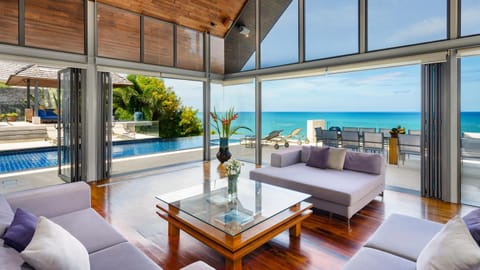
397 130
223 124
233 167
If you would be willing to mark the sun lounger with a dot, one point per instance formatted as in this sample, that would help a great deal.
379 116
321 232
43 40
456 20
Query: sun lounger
293 137
273 137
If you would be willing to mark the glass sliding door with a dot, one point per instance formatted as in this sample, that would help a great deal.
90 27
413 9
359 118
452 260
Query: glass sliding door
374 101
69 133
470 130
240 98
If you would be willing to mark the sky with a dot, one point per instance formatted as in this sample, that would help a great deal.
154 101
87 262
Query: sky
391 23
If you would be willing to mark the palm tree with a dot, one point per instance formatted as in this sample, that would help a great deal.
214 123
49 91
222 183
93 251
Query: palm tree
157 103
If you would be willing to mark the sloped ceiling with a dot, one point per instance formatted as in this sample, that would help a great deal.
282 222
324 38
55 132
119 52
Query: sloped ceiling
214 16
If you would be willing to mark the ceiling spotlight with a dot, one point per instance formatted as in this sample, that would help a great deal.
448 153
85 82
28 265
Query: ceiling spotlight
244 30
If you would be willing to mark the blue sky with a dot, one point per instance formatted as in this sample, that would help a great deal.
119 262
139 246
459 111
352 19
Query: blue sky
389 89
396 23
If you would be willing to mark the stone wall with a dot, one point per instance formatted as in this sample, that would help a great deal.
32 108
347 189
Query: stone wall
14 99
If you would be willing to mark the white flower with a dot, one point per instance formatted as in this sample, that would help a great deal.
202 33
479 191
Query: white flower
233 167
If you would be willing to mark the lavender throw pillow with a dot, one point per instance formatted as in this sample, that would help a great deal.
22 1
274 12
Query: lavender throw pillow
20 232
363 162
472 220
318 157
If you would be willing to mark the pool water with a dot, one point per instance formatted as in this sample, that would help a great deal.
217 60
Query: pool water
19 160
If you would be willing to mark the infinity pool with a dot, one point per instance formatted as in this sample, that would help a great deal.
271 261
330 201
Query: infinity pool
19 160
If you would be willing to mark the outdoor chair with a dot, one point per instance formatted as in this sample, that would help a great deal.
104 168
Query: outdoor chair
330 138
373 142
318 135
408 145
414 132
386 135
351 140
273 137
470 148
350 129
362 130
248 141
293 137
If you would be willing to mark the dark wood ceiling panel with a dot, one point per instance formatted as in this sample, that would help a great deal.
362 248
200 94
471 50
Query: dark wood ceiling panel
9 21
158 42
201 15
118 33
55 25
189 49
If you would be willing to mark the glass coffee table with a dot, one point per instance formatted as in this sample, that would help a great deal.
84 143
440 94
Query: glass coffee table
233 224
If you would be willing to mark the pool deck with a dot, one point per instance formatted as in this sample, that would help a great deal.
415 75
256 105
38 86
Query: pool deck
404 176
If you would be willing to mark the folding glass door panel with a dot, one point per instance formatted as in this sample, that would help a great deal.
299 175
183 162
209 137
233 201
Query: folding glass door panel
69 124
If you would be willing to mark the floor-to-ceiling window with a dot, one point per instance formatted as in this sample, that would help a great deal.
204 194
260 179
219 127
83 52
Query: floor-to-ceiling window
158 122
470 130
278 32
326 33
378 99
240 98
394 23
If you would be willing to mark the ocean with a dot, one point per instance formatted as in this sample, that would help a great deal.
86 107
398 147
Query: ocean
287 121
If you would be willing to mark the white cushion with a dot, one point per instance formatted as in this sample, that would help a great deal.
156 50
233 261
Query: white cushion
452 248
53 248
336 158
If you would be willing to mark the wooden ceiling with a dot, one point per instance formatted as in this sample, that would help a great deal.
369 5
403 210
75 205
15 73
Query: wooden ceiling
215 16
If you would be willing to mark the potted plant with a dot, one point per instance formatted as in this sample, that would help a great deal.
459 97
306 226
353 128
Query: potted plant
2 116
11 117
223 127
397 130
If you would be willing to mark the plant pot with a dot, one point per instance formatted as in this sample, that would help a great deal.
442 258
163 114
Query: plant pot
137 116
223 153
11 118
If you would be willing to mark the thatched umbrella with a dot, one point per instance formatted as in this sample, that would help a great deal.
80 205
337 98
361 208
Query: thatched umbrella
43 76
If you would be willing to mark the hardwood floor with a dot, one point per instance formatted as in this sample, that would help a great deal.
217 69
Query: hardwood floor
129 205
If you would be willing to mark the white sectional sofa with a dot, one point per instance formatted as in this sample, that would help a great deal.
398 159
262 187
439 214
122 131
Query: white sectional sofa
343 192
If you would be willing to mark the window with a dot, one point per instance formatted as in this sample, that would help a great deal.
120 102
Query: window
158 46
118 33
279 32
189 49
9 21
470 130
393 23
331 28
469 17
240 48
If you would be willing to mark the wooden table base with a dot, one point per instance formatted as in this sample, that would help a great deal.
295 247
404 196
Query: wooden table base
234 248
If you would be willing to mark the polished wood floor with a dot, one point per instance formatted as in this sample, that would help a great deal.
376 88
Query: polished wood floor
129 205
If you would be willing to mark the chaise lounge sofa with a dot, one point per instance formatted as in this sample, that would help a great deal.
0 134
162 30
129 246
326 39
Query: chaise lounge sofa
68 205
343 191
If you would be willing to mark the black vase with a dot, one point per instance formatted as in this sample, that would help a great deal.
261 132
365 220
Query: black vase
223 153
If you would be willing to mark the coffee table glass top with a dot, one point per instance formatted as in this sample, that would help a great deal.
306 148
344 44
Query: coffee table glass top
254 203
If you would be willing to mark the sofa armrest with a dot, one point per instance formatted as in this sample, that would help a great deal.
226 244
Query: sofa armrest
52 201
285 158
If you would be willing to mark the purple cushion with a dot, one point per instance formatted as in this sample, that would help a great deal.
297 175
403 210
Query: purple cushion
20 232
363 162
472 220
318 157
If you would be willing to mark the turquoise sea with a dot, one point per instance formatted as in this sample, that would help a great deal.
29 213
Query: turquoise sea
287 121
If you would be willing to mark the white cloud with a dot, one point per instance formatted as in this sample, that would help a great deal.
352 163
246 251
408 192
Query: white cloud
423 30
